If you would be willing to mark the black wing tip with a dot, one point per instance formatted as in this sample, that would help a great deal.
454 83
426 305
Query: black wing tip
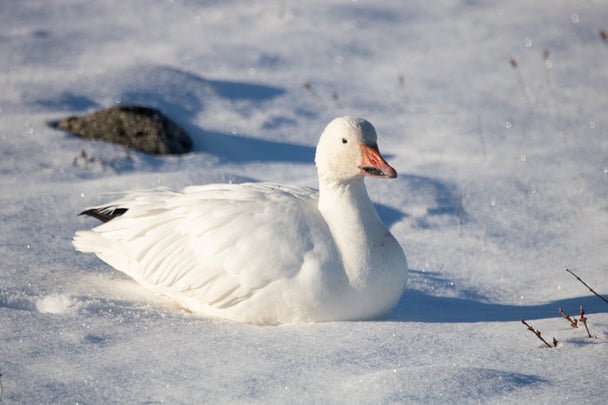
104 214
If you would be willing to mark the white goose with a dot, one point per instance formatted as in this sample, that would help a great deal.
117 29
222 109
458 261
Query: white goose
264 253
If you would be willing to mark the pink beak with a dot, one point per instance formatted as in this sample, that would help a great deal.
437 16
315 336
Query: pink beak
373 164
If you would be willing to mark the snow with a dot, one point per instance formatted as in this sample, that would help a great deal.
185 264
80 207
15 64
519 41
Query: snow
503 185
54 304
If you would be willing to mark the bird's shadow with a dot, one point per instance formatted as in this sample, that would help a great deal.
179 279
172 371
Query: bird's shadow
418 306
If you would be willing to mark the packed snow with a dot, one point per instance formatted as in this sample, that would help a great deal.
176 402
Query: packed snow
493 113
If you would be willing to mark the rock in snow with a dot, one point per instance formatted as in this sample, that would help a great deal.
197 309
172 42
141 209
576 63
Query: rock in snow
138 127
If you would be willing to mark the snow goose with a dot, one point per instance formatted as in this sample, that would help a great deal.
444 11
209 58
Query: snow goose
264 253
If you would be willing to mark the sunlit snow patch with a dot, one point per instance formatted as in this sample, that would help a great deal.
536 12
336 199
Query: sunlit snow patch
55 304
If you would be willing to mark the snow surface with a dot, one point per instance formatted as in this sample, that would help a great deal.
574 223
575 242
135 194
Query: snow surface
503 185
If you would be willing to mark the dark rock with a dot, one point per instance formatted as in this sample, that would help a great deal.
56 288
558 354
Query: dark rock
134 126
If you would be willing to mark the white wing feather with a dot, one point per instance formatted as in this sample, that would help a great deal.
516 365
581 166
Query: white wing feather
206 241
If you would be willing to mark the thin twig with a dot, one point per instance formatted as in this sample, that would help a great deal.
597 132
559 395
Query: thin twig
538 335
314 94
531 104
584 321
520 81
526 122
573 322
336 97
586 285
460 218
548 65
481 137
403 87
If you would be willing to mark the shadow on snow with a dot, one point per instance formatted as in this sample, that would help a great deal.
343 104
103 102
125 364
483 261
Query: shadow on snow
418 306
182 96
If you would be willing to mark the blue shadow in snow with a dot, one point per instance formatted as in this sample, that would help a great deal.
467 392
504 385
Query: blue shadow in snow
240 149
389 215
179 94
243 91
417 306
182 95
441 198
67 101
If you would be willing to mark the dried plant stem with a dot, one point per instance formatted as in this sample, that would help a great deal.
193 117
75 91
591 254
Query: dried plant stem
555 104
314 94
586 285
524 135
336 97
583 320
401 79
481 136
538 335
460 218
531 104
520 81
548 64
573 322
604 38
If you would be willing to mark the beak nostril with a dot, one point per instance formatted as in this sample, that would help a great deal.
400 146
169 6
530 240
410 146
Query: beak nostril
373 171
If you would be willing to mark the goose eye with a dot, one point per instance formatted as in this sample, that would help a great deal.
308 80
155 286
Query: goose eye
344 140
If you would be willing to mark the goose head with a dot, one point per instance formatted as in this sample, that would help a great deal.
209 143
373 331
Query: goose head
348 149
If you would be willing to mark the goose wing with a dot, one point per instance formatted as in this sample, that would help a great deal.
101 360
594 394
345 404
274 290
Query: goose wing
218 243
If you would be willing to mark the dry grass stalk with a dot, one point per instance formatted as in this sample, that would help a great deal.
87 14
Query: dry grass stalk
460 217
85 159
538 334
548 65
401 79
573 322
481 136
586 285
336 97
314 94
520 81
583 320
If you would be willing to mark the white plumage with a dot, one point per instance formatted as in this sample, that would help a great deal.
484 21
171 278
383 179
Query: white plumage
264 253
